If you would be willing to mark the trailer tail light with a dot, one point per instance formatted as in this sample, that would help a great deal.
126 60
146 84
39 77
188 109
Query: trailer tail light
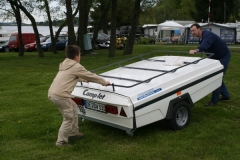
78 101
122 113
111 109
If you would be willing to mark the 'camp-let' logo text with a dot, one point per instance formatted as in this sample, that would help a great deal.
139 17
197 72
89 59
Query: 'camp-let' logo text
93 95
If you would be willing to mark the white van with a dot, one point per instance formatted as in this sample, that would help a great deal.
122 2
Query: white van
152 89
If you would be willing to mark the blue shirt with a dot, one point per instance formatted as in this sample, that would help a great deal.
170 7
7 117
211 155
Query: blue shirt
211 43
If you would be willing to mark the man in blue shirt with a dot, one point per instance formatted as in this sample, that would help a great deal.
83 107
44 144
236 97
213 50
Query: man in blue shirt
211 43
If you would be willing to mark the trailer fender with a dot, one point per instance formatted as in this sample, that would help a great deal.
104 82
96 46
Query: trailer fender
185 97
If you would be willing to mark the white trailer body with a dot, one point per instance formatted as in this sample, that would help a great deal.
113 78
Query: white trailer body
148 91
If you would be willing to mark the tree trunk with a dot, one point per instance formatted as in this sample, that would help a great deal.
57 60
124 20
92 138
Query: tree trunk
35 29
105 26
113 29
53 47
81 25
106 7
19 26
59 30
16 11
84 7
18 5
62 26
71 33
131 38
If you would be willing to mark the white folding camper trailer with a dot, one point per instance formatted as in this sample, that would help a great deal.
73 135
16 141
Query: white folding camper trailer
149 90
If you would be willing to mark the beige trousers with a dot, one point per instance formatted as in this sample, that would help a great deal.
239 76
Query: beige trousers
68 109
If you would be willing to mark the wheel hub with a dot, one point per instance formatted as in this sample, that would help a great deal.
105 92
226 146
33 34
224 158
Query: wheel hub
181 116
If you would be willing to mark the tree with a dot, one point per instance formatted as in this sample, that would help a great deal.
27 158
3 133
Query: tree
186 7
62 25
150 10
6 11
46 6
102 9
216 10
100 16
84 8
53 13
162 10
131 38
19 5
123 14
71 33
17 14
57 12
113 29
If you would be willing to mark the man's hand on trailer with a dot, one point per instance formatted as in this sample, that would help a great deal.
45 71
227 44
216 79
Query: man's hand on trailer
107 83
193 51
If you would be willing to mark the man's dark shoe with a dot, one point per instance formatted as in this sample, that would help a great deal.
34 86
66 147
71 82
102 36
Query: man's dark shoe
78 136
64 144
224 98
209 104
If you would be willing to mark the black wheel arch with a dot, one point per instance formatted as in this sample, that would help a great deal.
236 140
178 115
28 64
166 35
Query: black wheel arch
185 97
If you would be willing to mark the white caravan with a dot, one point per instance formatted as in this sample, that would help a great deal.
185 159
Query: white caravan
5 35
149 90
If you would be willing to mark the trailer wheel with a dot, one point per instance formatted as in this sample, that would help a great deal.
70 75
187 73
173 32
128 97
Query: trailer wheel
131 132
180 116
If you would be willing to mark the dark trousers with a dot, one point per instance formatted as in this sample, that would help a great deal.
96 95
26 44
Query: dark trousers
222 89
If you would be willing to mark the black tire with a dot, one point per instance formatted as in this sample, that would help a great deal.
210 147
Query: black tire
181 115
6 49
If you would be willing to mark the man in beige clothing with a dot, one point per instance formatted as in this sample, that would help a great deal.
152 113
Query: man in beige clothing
70 72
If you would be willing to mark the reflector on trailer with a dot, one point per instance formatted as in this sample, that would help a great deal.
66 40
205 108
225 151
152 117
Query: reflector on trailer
179 93
122 112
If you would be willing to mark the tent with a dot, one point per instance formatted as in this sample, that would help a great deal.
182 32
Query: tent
169 25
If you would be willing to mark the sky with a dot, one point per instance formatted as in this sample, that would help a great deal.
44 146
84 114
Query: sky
37 18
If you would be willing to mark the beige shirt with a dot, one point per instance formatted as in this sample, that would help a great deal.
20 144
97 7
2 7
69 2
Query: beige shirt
71 72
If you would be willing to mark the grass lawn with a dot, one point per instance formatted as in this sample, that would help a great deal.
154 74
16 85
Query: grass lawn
29 122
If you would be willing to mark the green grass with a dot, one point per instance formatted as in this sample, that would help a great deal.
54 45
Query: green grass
29 122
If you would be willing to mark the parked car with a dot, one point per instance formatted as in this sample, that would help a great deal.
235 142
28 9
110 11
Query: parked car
26 38
4 47
60 44
32 46
103 40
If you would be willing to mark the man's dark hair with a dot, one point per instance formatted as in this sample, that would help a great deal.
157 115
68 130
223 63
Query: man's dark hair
196 25
72 50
